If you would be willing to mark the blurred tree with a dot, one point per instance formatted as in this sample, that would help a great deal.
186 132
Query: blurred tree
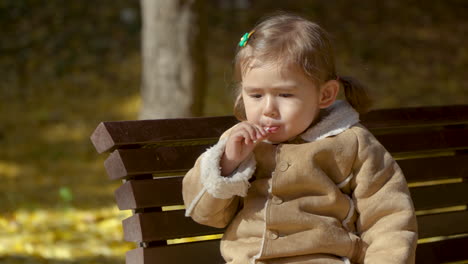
173 58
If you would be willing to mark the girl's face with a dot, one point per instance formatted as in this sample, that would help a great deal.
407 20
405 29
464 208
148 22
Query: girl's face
282 100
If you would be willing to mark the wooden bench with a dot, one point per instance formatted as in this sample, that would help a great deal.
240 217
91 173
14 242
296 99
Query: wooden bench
151 157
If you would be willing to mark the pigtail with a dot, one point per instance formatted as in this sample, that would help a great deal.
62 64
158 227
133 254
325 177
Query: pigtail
356 94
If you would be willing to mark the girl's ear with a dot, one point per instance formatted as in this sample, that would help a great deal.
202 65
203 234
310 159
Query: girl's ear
328 93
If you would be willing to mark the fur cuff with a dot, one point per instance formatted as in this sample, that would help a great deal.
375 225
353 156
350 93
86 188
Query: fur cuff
225 187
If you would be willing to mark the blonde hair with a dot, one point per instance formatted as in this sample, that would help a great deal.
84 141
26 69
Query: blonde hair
288 39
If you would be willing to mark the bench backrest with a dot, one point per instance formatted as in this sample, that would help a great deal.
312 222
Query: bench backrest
151 157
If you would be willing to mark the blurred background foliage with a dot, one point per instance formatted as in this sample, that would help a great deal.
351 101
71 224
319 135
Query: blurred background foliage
67 65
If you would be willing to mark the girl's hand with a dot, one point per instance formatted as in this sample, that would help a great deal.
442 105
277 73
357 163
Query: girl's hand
240 143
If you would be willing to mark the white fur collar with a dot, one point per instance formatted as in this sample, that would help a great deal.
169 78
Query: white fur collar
333 120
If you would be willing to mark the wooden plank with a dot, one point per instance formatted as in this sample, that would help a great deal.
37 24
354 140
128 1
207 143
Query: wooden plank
150 193
428 140
155 226
439 196
147 227
449 250
444 224
123 163
101 138
416 116
110 135
435 168
196 252
167 191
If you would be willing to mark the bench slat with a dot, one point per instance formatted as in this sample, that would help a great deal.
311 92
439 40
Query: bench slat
150 193
163 225
196 252
110 135
166 191
429 140
434 168
124 163
127 162
439 196
449 250
416 116
156 226
445 224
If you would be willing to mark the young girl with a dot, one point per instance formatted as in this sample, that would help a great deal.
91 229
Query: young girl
299 180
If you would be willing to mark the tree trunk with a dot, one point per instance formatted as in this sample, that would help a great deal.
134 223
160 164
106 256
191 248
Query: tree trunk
173 58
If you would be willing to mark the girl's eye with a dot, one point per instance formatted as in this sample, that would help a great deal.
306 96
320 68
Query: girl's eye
255 95
286 95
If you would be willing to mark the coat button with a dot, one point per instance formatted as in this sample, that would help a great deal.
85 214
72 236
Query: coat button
283 166
273 234
276 200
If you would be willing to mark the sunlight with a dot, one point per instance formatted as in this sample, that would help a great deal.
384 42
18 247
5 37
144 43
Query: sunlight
64 132
193 239
72 232
9 170
129 108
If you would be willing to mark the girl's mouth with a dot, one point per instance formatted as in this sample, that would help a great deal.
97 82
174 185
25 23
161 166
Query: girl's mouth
272 129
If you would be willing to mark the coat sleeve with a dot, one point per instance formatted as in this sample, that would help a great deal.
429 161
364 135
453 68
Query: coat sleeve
210 198
387 221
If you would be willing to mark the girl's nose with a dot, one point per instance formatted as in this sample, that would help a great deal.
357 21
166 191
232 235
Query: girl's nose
270 109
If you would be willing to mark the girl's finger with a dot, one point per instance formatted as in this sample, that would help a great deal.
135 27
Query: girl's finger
251 130
258 132
261 131
247 137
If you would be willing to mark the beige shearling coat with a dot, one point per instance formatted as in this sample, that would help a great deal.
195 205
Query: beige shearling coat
331 195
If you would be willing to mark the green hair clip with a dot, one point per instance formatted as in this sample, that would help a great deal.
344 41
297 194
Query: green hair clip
245 38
